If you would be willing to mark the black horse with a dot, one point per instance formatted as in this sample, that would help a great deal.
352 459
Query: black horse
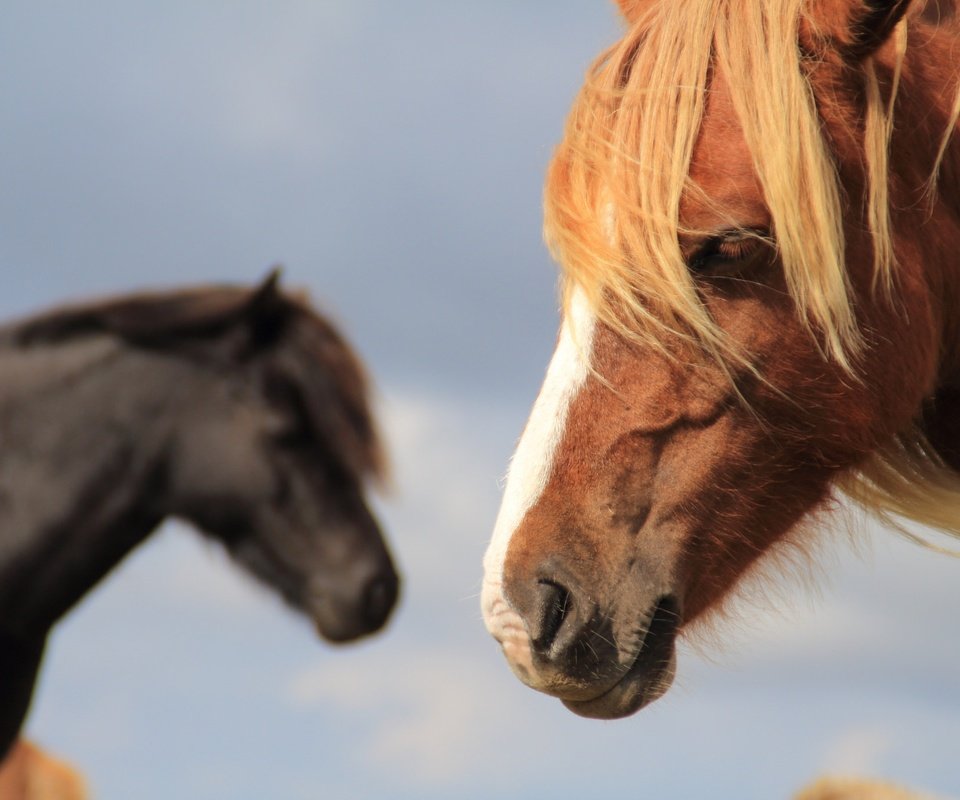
237 409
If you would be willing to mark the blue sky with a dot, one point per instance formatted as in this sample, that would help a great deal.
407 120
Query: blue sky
391 157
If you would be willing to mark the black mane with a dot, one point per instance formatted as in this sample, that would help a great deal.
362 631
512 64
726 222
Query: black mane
153 316
306 349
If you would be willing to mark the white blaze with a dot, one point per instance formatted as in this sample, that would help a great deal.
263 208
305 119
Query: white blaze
532 463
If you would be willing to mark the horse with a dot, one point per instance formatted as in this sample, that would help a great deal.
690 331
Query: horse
28 773
842 788
237 409
756 211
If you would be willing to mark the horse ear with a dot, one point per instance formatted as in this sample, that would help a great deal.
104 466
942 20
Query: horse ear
268 291
266 310
632 10
861 27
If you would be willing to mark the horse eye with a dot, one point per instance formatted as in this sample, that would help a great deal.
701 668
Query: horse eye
292 432
290 425
727 251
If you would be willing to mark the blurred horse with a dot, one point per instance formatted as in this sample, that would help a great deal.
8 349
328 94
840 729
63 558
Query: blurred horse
756 207
28 773
239 410
838 788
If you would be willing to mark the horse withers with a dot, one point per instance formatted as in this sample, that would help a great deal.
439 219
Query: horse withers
239 410
756 208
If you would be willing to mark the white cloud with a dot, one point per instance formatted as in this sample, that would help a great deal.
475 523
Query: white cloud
433 702
265 83
860 750
434 706
447 458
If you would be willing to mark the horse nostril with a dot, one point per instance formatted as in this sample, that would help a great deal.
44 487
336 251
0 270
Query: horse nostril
555 604
379 598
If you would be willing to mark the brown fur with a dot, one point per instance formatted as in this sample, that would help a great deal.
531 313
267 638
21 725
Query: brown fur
680 467
28 773
833 788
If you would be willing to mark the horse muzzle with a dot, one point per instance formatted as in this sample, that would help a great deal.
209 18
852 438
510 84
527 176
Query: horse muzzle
353 606
601 663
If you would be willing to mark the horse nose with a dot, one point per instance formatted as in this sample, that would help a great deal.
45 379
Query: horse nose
570 646
356 603
567 633
550 615
379 598
604 654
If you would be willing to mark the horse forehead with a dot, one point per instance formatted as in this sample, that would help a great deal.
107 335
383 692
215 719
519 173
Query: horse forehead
722 168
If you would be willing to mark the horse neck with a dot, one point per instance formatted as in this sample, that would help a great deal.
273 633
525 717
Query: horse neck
82 426
941 87
948 191
926 101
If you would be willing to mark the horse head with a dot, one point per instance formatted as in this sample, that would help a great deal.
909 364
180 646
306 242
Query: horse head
754 268
267 440
273 458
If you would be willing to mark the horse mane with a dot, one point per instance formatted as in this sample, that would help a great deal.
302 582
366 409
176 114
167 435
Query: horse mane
303 348
151 317
613 191
614 188
321 362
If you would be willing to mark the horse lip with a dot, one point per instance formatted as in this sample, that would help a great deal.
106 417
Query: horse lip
648 677
345 632
335 630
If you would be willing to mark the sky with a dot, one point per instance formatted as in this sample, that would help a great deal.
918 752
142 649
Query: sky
391 157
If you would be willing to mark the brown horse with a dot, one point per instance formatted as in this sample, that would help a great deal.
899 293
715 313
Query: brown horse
28 773
238 409
756 206
836 788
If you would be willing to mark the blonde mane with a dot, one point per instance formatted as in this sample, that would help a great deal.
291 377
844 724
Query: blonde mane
613 194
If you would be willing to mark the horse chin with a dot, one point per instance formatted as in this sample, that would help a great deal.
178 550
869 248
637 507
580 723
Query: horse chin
649 676
336 633
634 691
